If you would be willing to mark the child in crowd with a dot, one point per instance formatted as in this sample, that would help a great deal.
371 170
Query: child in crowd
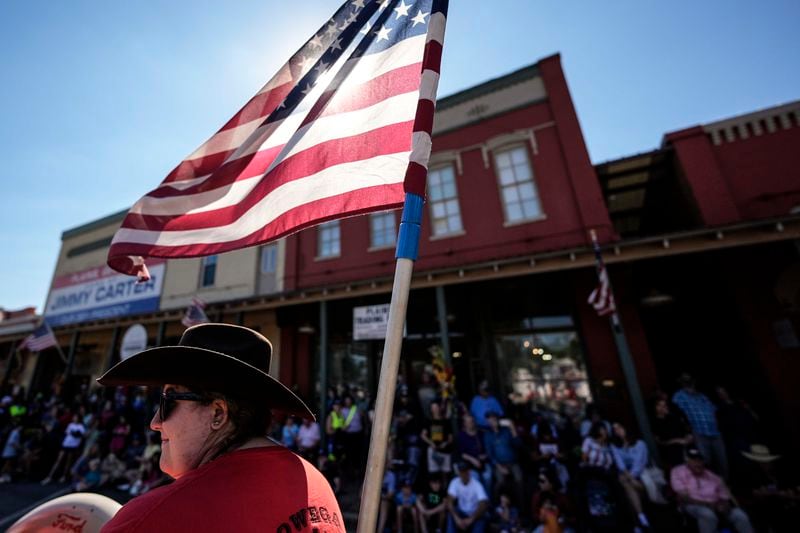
406 506
432 506
506 517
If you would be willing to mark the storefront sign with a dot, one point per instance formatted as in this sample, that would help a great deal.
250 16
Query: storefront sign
370 322
100 293
134 341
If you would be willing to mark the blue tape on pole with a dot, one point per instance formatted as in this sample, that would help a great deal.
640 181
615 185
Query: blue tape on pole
410 228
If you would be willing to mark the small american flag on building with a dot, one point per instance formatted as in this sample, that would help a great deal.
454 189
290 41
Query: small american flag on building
602 297
342 129
41 339
195 313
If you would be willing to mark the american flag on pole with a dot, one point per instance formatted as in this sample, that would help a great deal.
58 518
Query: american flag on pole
342 129
195 314
602 297
41 338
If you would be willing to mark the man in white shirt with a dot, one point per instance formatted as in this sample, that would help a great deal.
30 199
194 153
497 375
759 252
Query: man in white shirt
308 438
466 503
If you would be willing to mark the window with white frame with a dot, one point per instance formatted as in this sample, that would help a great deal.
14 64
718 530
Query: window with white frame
269 258
208 270
382 230
443 200
328 239
517 188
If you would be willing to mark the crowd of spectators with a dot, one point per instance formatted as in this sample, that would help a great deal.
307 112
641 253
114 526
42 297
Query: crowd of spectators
490 465
91 439
486 464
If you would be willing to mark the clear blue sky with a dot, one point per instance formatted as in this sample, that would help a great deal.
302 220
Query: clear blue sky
99 100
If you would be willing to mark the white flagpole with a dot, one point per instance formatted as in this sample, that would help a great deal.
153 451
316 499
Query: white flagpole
407 246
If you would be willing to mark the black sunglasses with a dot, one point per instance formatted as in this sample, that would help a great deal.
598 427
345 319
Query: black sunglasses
168 399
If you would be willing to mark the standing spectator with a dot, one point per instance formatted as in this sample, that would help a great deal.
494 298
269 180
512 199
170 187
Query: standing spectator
333 428
739 427
630 457
671 433
70 448
289 433
427 393
466 503
702 417
353 433
484 403
11 451
704 495
469 444
438 435
432 506
119 435
308 437
501 442
406 505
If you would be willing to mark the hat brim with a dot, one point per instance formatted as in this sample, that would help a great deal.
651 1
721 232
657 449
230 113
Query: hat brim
204 369
761 458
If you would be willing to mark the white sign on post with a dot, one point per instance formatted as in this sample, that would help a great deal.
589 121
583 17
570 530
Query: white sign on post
134 341
369 322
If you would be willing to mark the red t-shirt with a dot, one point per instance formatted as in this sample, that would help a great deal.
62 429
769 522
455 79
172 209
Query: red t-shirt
257 489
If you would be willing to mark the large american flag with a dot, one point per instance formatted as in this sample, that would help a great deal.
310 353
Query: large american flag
342 129
41 338
602 297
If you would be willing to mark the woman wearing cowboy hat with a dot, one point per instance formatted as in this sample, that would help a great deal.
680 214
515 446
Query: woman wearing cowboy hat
215 409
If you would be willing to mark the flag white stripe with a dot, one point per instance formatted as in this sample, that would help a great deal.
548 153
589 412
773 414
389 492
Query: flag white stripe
380 170
365 68
436 26
386 112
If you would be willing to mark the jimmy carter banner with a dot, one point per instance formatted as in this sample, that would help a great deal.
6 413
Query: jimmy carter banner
100 293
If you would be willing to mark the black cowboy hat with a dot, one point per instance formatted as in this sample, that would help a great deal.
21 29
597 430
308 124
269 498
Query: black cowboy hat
213 357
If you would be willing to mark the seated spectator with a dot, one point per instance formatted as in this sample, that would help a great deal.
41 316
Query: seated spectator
630 458
671 432
470 448
406 506
388 489
506 516
768 492
113 469
90 479
483 403
432 506
119 435
466 502
594 450
550 506
438 435
501 443
704 496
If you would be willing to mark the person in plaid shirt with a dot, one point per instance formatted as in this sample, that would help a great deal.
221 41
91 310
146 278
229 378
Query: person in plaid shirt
702 417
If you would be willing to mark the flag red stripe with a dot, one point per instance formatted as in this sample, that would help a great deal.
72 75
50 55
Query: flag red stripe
392 83
424 119
352 98
259 107
415 179
310 214
432 60
387 140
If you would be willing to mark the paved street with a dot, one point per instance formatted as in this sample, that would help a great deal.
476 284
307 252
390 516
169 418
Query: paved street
18 498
